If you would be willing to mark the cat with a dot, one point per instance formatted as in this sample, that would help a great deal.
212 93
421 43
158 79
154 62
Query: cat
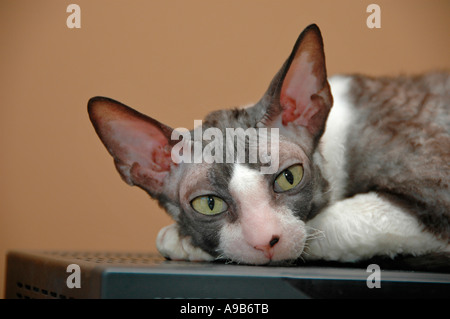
363 169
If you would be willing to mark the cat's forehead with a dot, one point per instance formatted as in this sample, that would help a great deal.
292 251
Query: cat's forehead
243 117
214 173
207 176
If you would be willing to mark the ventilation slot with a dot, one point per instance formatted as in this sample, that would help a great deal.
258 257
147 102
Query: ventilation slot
111 258
26 291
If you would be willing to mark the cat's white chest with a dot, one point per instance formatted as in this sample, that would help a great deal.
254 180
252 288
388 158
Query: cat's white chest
333 145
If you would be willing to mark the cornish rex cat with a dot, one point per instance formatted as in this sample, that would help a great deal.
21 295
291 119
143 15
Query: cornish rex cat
365 176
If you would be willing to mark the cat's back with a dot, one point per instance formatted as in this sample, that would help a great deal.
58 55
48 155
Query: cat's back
397 140
400 129
385 103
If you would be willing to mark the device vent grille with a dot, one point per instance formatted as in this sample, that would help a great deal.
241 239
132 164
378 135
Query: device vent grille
26 291
110 257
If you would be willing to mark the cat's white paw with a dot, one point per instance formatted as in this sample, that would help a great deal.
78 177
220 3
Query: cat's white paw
365 226
172 246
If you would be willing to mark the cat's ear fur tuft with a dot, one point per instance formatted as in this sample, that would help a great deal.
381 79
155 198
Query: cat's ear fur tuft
300 94
139 144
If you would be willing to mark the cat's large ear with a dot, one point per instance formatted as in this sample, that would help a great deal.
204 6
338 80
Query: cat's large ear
300 94
139 144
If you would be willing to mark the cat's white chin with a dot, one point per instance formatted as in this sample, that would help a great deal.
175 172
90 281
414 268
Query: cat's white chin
263 260
251 257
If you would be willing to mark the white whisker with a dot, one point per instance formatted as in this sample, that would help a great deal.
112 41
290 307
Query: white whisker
313 233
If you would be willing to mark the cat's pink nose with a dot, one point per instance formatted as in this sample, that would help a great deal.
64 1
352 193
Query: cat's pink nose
268 249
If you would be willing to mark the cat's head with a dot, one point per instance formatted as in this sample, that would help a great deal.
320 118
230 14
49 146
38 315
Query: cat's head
249 210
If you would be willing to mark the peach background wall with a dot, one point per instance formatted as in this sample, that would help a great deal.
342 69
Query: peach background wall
174 60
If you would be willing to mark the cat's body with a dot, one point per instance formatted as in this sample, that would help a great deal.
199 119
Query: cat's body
387 157
370 177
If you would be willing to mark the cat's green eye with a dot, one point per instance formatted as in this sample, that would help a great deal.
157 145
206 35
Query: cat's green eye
209 205
289 178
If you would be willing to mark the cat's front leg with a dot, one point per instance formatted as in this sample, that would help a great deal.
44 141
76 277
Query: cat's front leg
172 246
368 225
